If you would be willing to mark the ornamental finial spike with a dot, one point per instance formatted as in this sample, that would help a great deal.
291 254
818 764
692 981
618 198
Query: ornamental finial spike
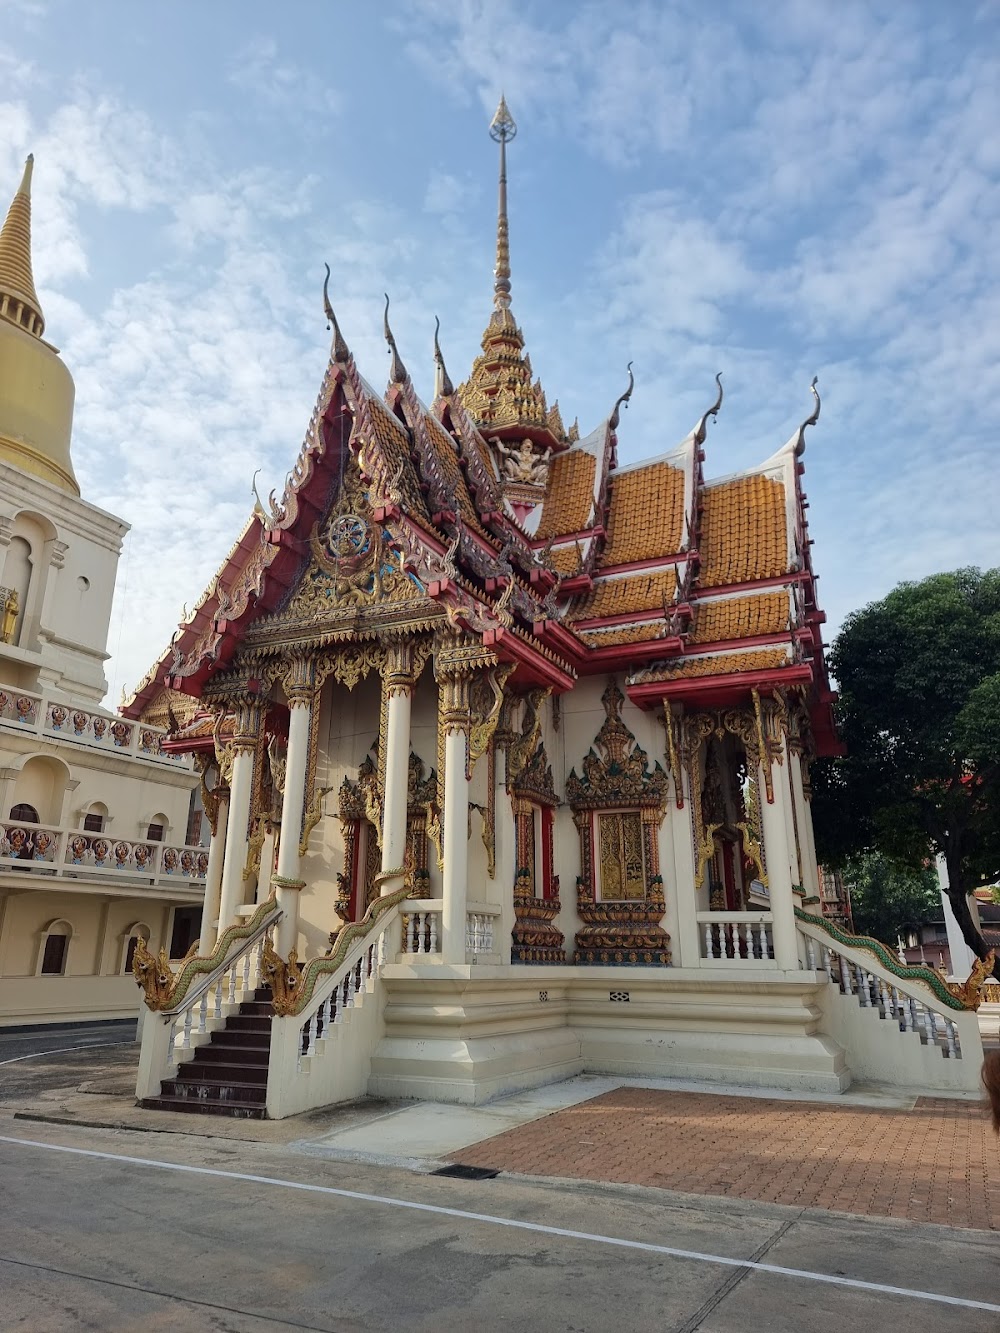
397 371
340 350
443 387
623 400
16 280
502 130
800 438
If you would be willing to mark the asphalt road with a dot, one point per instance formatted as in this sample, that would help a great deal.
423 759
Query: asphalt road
36 1061
246 1237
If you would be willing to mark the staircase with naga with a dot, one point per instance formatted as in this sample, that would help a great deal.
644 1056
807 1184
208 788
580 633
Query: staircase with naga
228 1075
244 1033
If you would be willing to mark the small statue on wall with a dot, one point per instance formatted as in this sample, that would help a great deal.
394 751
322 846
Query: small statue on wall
521 463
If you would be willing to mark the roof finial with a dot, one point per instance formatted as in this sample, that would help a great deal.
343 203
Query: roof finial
713 412
340 348
623 400
502 130
443 387
800 438
16 281
397 371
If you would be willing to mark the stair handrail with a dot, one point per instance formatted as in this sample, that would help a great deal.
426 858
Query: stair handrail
294 985
915 979
167 992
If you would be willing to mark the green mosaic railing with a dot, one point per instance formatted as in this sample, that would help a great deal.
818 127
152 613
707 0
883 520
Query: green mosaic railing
919 972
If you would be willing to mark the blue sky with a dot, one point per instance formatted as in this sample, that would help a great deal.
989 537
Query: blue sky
772 190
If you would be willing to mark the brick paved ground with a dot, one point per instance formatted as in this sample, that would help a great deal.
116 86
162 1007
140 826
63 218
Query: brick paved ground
939 1162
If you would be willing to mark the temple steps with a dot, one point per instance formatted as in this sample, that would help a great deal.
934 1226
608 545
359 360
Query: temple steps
228 1075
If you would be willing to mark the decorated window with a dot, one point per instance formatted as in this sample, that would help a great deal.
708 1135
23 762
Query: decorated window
621 862
618 804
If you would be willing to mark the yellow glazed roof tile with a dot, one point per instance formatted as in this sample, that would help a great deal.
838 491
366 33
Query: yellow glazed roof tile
570 496
724 664
646 517
604 638
636 592
744 535
741 617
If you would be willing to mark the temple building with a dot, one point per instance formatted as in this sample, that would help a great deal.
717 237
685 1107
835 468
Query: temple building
94 813
506 751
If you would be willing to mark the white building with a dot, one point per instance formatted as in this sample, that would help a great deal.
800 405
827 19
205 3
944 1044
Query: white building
94 815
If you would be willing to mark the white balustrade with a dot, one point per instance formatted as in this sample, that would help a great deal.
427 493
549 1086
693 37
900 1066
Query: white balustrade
736 939
68 853
908 1004
24 710
339 993
422 926
234 980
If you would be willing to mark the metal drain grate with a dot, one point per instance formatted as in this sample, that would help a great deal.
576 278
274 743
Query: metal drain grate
457 1171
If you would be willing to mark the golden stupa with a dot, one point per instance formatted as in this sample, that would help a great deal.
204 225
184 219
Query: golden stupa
36 389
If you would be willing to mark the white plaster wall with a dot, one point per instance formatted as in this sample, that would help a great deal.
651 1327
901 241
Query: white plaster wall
75 551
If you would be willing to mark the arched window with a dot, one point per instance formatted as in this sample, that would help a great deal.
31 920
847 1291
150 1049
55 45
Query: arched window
24 813
95 818
41 783
54 951
131 942
157 828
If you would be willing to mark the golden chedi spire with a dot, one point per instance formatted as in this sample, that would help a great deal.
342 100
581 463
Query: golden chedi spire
18 298
36 389
499 394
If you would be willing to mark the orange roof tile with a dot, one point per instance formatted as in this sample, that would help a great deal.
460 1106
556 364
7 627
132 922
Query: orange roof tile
636 592
740 617
444 449
724 664
565 559
646 514
604 638
569 499
744 534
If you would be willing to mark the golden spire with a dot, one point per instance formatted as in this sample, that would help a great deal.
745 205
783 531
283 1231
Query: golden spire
18 298
502 130
500 395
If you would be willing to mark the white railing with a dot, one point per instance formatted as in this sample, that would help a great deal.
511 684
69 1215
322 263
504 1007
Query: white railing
736 939
353 978
896 1023
66 853
322 1055
222 991
422 928
44 715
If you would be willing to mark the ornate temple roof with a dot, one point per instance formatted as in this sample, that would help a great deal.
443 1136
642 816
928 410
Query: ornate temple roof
561 562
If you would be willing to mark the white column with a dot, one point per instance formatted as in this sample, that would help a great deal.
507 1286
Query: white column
456 722
688 952
794 847
235 855
807 843
398 685
774 822
213 881
456 848
287 882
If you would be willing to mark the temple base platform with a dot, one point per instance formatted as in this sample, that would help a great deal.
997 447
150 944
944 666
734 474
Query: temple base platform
468 1034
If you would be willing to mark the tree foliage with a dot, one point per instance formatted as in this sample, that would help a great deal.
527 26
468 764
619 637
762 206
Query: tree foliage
919 713
888 900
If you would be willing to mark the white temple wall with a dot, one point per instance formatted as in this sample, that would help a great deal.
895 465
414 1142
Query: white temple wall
73 549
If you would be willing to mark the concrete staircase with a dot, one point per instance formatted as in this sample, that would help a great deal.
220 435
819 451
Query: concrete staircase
228 1075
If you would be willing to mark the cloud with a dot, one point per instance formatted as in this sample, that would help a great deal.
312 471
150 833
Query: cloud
282 85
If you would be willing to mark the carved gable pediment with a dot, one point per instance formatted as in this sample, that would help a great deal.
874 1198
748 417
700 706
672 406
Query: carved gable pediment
616 769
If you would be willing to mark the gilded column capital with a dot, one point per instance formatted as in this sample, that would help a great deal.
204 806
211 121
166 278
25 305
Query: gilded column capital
399 671
299 682
247 713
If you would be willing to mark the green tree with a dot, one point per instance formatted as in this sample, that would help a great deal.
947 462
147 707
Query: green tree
887 900
919 714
